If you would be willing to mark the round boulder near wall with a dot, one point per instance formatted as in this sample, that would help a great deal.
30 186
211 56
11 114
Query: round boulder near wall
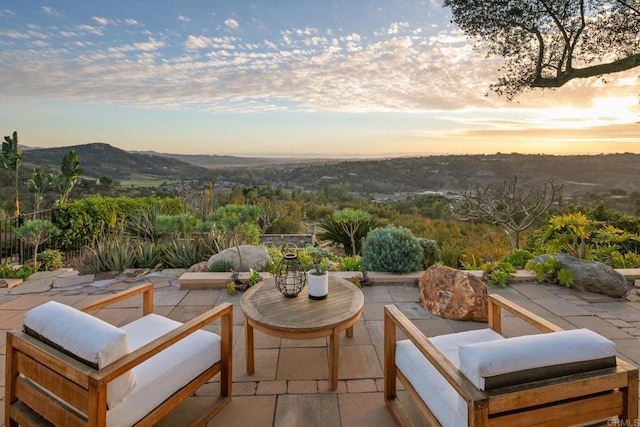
255 257
454 294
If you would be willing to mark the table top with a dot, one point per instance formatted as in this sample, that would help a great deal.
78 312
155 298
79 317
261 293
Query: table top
265 305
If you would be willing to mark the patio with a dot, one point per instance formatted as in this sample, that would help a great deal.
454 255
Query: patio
290 385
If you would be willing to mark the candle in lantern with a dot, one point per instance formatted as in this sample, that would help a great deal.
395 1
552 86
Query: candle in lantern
290 283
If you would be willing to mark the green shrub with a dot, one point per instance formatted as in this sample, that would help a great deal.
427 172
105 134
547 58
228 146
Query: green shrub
351 263
118 253
231 288
498 278
143 225
392 249
566 277
275 255
183 253
626 260
8 272
84 221
432 252
221 266
177 225
497 274
50 260
148 254
518 258
35 232
347 227
550 270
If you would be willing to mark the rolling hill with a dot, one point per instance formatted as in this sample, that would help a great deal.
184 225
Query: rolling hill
448 173
99 159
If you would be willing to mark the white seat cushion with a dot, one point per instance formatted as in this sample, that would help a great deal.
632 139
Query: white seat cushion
165 373
441 398
521 359
84 337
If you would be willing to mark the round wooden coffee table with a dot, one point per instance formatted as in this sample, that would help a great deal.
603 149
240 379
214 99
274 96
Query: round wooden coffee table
268 311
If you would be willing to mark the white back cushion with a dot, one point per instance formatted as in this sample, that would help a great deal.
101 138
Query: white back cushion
535 357
85 337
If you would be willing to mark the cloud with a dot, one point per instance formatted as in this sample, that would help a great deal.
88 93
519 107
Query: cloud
52 12
149 46
202 42
183 18
101 21
90 29
301 69
231 24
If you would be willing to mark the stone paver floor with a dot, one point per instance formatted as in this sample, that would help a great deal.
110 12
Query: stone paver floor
290 384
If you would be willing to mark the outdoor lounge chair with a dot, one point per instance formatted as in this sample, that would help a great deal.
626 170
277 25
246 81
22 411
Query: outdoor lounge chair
480 378
69 368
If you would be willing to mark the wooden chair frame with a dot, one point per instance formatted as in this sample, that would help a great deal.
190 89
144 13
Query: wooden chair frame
571 399
47 387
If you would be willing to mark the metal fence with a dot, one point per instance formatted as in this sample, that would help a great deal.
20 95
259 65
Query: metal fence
12 249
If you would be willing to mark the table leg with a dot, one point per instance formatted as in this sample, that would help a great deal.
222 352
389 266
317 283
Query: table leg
334 358
350 332
249 350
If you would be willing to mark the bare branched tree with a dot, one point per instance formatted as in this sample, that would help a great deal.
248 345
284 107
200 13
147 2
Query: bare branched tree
271 211
508 206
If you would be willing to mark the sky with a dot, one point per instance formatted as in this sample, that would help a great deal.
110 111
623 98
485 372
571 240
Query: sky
301 78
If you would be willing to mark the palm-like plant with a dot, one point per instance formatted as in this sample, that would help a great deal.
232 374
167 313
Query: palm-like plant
11 160
347 227
70 174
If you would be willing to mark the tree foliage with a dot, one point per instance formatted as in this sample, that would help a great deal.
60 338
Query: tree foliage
36 232
38 184
347 227
547 43
508 206
239 223
11 160
69 174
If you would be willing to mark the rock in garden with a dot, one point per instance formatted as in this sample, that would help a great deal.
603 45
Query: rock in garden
201 267
452 294
592 276
255 257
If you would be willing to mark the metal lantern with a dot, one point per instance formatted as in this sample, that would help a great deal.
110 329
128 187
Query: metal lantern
291 277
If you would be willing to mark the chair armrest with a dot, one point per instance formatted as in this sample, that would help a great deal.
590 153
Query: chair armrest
498 302
131 360
145 289
464 387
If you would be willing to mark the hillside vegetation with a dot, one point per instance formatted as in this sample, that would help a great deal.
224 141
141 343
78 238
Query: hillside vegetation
411 174
586 180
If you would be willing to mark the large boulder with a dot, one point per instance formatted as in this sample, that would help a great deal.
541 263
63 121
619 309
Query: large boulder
255 257
201 267
592 276
452 294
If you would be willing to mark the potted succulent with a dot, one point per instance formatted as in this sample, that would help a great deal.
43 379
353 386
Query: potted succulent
318 276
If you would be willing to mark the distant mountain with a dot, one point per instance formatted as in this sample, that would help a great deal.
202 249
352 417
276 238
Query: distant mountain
218 161
99 159
579 174
452 173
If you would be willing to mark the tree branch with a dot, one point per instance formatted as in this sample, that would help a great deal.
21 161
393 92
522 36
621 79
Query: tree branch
619 65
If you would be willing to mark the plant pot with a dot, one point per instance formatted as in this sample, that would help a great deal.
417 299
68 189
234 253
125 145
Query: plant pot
317 285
